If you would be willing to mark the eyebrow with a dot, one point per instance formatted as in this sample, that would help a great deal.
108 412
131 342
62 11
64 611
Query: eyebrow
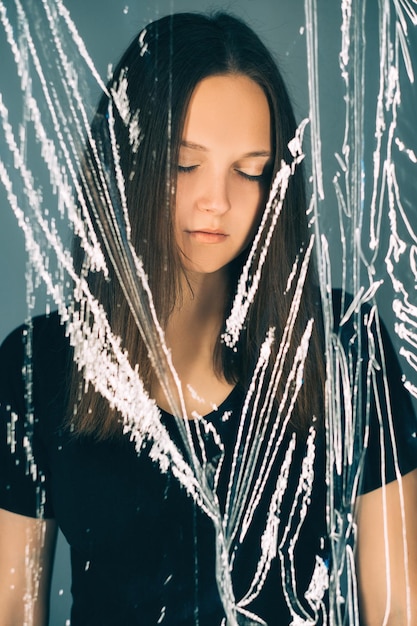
254 153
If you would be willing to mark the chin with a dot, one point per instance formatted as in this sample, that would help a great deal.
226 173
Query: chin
209 269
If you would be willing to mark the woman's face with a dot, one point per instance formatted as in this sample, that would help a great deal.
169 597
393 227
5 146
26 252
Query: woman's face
224 155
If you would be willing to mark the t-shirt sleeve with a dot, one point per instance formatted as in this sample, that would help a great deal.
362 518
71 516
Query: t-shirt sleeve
377 440
23 462
391 442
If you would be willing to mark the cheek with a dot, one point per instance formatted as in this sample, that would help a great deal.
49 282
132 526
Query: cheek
180 206
184 200
248 223
252 225
245 193
250 201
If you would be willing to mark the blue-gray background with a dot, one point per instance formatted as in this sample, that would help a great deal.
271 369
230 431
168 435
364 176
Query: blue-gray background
107 26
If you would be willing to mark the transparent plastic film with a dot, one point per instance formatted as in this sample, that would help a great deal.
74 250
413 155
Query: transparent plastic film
260 480
375 264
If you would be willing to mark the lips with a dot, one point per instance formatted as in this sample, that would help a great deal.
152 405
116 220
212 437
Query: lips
207 235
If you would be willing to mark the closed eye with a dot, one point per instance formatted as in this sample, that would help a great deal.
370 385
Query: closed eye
256 178
186 169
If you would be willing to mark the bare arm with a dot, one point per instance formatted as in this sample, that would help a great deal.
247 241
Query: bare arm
27 548
387 554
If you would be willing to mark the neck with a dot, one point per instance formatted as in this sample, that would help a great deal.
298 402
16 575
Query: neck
203 298
191 335
197 319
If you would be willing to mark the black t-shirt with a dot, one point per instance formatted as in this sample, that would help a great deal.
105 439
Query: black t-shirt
142 551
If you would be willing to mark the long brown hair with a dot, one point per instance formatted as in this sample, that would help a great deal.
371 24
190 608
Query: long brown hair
160 71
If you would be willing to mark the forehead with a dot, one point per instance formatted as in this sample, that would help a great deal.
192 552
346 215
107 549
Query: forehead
230 109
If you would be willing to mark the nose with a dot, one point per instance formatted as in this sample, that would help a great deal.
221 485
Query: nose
214 194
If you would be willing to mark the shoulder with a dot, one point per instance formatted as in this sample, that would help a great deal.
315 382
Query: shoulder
44 333
361 331
46 329
380 409
34 362
40 345
350 315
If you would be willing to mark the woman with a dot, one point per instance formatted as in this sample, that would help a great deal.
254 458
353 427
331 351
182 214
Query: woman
231 522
